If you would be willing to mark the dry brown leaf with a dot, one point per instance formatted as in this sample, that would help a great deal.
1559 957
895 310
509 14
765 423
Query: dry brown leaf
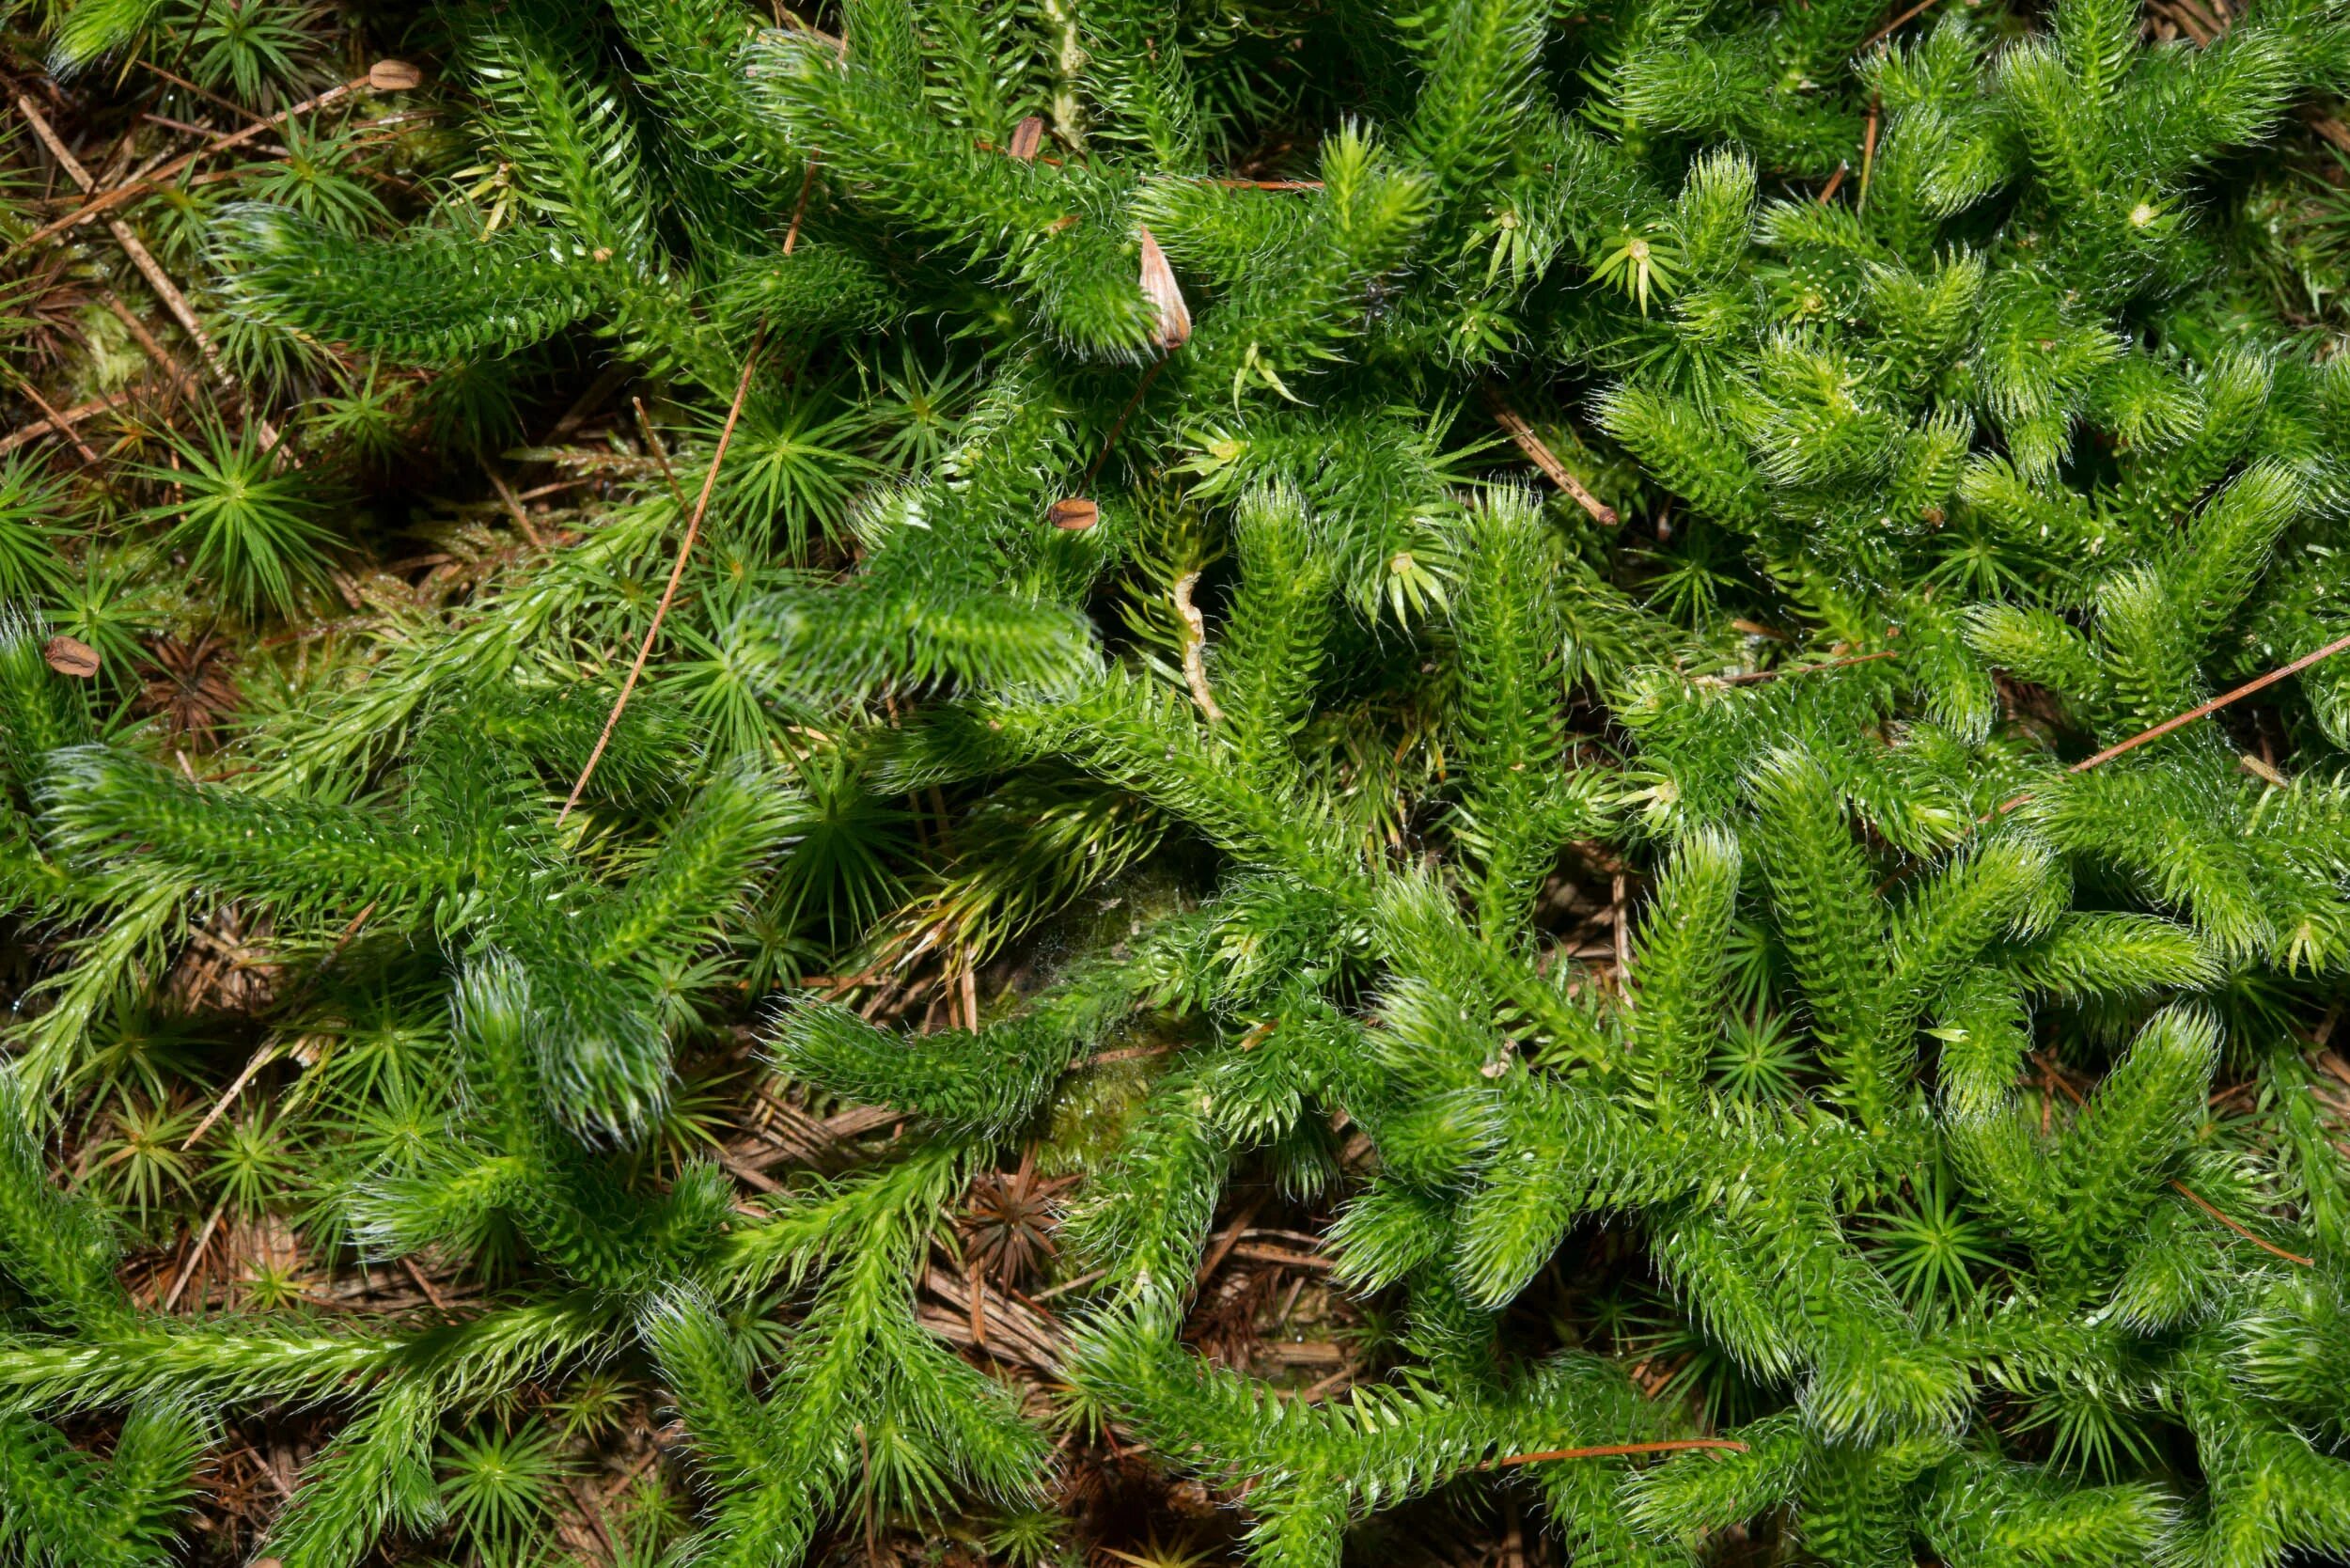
71 656
1159 286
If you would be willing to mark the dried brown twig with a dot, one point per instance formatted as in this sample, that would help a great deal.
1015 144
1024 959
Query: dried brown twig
384 76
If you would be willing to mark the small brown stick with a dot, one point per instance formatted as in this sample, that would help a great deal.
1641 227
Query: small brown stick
1886 31
1753 676
1119 424
514 508
1329 1384
268 1468
1125 1053
178 81
799 209
56 420
1624 937
1229 1240
2200 1202
1195 647
424 1284
1067 1285
1278 1255
1867 157
260 1059
1519 432
152 347
660 453
64 423
751 1174
1610 1451
676 573
2199 711
121 193
1835 184
643 1463
2211 26
196 1253
835 985
169 124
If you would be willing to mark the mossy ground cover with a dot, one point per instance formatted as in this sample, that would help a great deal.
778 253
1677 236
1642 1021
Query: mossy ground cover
1165 781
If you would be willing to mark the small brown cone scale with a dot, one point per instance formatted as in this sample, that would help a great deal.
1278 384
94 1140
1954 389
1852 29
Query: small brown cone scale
71 656
1073 515
1160 288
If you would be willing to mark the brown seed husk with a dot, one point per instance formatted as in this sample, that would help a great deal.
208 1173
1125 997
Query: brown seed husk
71 656
1166 295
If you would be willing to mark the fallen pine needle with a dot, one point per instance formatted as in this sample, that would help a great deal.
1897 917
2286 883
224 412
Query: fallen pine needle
2191 1195
661 611
2182 720
2204 1204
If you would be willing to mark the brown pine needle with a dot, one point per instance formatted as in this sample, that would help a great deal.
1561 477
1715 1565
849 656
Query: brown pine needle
1522 435
109 200
513 505
1882 33
2189 1193
661 611
1610 1451
799 209
2204 1204
660 454
1867 158
2182 720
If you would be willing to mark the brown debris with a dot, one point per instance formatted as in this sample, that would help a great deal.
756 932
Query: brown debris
190 690
1008 1223
71 656
1015 1331
1522 434
1165 294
